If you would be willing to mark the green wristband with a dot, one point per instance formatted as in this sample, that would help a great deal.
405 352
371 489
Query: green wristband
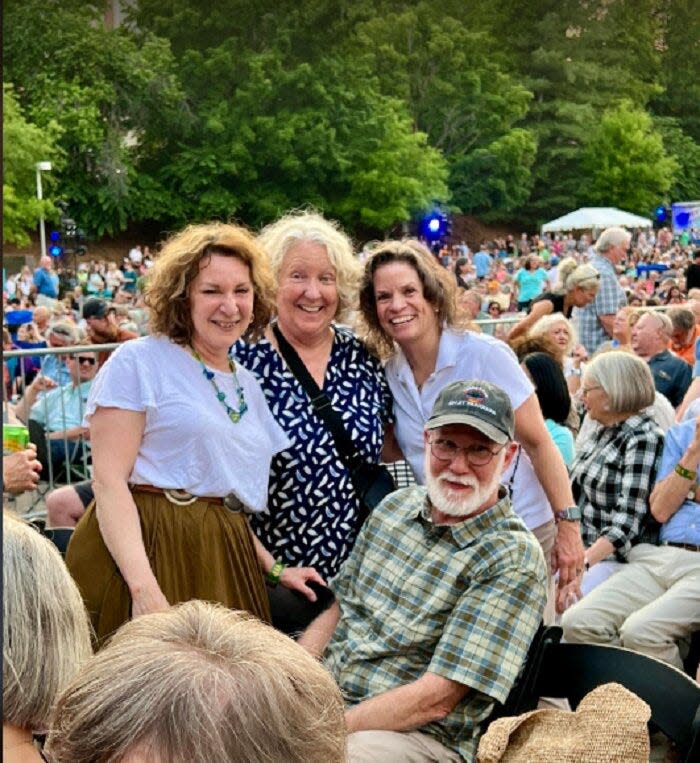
275 573
687 474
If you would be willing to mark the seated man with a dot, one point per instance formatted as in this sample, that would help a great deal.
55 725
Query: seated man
441 596
654 601
684 333
60 334
60 410
651 335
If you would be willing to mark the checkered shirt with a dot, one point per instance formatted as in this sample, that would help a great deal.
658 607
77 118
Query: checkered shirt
462 601
612 476
609 299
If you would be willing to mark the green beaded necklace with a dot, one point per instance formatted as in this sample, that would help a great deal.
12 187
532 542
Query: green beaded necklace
233 414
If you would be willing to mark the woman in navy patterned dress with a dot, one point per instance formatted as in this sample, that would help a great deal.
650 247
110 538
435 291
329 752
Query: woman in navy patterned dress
312 507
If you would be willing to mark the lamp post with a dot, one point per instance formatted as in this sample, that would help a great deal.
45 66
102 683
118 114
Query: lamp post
46 167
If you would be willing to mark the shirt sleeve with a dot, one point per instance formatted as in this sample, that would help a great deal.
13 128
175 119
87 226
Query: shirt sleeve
40 407
123 382
486 638
632 506
672 453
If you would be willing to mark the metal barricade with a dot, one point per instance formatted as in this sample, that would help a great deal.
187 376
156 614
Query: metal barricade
75 464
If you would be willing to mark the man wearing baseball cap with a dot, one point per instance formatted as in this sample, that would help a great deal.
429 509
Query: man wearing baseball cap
441 596
102 325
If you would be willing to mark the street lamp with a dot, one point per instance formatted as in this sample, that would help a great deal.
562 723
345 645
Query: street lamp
46 167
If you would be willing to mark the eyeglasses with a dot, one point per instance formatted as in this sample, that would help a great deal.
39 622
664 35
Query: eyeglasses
80 359
586 390
475 455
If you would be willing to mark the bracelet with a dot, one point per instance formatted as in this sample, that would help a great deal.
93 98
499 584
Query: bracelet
275 573
575 372
687 474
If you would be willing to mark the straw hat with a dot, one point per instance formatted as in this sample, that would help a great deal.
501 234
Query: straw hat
609 726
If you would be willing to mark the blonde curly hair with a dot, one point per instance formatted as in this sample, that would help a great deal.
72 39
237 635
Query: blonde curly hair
280 236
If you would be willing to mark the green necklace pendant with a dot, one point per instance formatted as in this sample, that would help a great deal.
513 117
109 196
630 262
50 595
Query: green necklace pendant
235 414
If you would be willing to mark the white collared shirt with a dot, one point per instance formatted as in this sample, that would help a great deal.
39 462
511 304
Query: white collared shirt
462 355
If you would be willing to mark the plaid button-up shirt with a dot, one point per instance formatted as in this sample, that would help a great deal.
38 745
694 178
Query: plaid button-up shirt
612 476
462 601
609 299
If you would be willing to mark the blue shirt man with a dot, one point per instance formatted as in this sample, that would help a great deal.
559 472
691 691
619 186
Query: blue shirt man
594 322
45 279
60 409
482 263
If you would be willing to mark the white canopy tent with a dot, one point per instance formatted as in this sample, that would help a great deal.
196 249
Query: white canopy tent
587 218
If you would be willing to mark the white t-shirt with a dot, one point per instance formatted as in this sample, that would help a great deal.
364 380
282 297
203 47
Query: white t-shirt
189 442
527 494
462 355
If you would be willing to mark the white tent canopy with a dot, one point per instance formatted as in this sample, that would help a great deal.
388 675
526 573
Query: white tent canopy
596 217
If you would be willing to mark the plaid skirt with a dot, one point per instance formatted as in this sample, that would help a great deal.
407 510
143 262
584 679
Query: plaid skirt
197 551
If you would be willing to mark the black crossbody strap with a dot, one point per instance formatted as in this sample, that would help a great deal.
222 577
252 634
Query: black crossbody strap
319 400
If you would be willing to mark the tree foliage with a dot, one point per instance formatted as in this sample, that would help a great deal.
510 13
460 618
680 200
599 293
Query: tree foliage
686 153
25 144
111 95
371 110
625 161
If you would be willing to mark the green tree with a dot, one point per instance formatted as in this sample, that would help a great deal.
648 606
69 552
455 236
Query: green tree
284 117
579 57
114 95
678 45
289 136
455 80
495 180
625 162
25 144
686 152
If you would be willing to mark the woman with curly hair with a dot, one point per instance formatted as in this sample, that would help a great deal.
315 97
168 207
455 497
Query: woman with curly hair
182 441
313 511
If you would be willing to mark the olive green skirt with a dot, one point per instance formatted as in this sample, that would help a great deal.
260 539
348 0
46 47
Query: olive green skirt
199 551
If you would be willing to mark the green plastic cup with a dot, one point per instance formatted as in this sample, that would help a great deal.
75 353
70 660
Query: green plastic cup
14 438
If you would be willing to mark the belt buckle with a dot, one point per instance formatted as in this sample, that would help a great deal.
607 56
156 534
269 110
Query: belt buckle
233 503
180 497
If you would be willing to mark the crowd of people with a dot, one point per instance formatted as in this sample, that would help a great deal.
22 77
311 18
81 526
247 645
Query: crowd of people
554 465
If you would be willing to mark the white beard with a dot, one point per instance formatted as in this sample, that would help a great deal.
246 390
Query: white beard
459 505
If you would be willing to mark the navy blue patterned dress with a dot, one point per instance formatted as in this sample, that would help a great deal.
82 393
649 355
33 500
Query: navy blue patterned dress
310 517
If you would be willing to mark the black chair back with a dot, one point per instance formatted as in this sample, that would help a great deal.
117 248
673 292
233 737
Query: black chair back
573 670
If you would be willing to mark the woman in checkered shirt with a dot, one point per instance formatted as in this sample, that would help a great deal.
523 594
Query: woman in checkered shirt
614 471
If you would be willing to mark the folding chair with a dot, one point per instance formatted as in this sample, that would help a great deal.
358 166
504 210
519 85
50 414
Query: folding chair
572 670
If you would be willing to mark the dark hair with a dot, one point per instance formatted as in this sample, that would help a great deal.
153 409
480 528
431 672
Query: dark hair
550 386
439 289
495 304
458 265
